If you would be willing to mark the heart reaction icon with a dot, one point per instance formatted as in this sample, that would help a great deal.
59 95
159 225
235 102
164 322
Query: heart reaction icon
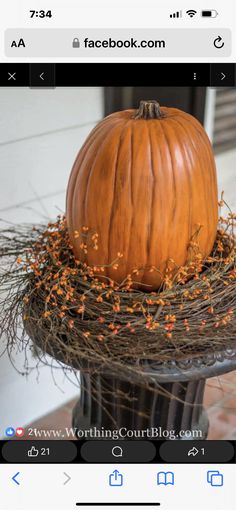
20 431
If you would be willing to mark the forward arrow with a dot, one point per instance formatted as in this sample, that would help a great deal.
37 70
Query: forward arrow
68 478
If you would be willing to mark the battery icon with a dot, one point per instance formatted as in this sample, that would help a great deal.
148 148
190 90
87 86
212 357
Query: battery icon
209 14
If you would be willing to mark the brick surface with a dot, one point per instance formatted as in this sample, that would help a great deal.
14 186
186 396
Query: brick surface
216 392
220 403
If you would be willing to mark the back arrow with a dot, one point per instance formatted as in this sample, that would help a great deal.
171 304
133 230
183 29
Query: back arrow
41 76
14 478
68 478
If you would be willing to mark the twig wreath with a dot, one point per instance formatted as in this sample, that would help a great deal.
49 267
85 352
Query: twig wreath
73 312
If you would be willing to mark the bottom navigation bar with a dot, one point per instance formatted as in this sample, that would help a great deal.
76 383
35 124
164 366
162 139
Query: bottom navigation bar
170 487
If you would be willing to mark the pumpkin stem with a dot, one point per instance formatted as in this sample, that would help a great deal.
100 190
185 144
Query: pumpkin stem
149 110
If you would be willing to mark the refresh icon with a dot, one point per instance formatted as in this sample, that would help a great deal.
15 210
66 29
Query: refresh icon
218 42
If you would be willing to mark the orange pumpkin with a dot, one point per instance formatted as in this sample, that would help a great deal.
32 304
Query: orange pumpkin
144 180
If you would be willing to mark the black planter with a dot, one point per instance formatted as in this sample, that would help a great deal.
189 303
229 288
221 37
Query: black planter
175 405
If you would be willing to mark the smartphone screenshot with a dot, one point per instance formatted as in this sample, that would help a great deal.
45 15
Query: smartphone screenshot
117 255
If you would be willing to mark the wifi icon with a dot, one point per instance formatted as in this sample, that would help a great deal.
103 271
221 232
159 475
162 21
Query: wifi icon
191 13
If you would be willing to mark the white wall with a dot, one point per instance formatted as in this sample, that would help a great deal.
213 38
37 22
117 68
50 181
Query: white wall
226 161
210 112
226 171
41 132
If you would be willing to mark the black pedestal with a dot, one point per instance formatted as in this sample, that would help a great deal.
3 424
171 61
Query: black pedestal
111 403
143 409
171 400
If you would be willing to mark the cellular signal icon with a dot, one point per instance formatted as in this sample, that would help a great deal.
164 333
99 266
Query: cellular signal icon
177 14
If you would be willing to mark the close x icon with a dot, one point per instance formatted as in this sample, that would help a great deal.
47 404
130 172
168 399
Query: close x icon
11 76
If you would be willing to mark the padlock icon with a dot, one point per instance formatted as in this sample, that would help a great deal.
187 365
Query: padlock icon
75 43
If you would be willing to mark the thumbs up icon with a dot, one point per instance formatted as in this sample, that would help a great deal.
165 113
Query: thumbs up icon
33 452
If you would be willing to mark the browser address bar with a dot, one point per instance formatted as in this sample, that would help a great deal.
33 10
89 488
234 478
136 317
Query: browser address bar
85 43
